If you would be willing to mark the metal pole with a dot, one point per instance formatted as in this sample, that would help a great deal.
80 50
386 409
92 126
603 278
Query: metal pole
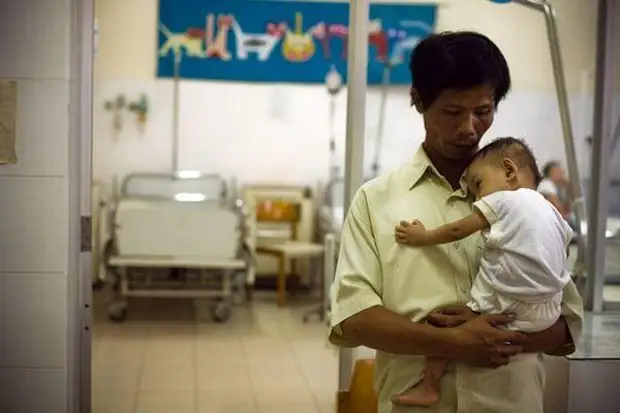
334 86
381 124
601 155
175 112
329 270
537 5
569 141
334 171
357 79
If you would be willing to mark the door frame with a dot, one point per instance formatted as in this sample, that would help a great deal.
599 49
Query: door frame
79 279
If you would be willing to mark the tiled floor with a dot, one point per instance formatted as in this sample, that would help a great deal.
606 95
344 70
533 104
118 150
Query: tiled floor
168 358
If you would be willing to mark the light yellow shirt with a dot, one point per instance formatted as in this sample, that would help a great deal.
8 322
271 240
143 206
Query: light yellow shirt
373 270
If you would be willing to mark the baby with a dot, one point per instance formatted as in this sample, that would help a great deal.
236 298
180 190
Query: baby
522 270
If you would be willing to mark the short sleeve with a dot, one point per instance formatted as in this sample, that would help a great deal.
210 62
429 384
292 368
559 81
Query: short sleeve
546 187
494 206
357 284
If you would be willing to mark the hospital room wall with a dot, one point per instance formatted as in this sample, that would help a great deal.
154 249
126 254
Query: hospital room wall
38 204
279 133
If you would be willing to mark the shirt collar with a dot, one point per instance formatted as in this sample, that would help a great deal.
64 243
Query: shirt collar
423 168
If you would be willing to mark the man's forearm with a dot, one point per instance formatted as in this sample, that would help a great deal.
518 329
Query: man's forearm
383 330
555 340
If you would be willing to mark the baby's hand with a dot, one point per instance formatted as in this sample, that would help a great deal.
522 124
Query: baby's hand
411 233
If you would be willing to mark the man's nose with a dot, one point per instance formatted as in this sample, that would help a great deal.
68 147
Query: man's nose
466 127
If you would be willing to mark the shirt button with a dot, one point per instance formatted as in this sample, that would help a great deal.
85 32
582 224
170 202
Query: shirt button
457 245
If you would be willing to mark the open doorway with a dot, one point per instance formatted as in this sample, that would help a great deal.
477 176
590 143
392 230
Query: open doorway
159 344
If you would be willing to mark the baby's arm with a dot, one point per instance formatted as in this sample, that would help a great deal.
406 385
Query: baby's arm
414 234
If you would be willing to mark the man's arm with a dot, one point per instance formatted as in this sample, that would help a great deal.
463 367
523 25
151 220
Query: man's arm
358 281
381 329
556 340
358 315
477 341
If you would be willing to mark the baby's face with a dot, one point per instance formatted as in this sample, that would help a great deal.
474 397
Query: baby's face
484 178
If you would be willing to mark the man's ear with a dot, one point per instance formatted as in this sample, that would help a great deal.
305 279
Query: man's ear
415 100
510 168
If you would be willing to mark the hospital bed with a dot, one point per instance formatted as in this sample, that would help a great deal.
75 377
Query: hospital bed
98 204
177 236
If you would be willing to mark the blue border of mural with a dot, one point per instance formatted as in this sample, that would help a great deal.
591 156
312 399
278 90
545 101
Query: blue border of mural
283 41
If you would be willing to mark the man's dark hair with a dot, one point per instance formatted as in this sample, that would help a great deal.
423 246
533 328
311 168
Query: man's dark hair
457 60
513 148
546 171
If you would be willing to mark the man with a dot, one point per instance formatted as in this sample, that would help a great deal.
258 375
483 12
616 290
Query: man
383 292
554 187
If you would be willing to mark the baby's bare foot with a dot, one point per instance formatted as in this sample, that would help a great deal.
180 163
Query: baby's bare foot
421 394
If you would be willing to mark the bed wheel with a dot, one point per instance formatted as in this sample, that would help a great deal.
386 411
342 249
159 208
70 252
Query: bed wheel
98 285
221 311
117 312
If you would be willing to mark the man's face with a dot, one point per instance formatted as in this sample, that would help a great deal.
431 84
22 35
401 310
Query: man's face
556 174
457 120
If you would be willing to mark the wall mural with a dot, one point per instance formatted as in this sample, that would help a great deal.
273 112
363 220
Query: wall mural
283 41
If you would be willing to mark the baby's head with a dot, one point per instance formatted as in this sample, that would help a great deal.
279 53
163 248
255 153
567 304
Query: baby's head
504 164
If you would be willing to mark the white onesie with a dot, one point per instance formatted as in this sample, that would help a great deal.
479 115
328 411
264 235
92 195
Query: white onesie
523 266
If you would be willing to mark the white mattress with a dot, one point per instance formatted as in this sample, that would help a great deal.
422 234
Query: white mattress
613 227
167 228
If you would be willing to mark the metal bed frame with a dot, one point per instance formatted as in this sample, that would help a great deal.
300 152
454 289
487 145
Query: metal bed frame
175 275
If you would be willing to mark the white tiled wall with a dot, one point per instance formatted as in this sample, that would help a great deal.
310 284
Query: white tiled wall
34 203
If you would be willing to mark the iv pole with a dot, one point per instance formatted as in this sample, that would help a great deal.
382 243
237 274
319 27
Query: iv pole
175 112
545 7
333 80
385 84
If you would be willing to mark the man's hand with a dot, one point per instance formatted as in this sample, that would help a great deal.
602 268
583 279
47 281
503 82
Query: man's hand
451 315
480 342
411 233
555 341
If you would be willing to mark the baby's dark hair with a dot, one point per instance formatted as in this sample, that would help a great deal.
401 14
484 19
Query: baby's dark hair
513 148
